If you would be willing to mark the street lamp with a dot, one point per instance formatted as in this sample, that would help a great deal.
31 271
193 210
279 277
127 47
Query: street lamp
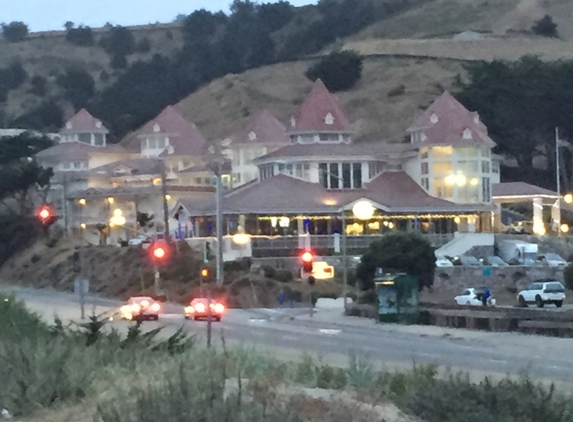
568 198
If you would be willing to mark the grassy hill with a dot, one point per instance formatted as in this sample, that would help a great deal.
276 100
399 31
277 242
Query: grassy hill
413 48
222 107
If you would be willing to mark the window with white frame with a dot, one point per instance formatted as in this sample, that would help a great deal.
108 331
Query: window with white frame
340 175
495 167
486 189
485 167
425 168
426 183
329 137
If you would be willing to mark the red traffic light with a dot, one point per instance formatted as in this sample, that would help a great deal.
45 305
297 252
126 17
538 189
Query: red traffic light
159 252
307 257
44 213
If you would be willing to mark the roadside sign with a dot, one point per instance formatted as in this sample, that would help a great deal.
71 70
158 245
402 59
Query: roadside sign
486 272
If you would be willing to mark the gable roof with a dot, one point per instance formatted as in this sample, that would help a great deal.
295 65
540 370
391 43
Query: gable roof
79 151
263 128
83 122
392 191
312 114
317 150
183 135
446 120
135 167
521 189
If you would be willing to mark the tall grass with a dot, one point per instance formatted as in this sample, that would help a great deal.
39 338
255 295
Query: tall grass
141 378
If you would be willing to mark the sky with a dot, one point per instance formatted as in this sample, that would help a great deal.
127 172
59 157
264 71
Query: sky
47 15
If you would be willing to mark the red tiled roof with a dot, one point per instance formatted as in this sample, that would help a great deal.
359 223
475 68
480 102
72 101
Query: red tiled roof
83 122
263 128
452 120
517 189
183 135
392 191
137 166
79 151
318 150
312 114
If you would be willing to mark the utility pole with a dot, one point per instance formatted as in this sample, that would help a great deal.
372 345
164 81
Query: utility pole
219 224
165 204
557 146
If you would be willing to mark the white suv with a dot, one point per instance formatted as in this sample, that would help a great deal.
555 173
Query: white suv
541 292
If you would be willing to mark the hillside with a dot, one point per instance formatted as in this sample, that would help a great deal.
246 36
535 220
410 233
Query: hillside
221 107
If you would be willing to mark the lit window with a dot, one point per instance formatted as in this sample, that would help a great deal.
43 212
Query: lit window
442 189
468 167
442 152
441 168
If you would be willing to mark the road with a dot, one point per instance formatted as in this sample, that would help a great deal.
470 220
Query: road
332 335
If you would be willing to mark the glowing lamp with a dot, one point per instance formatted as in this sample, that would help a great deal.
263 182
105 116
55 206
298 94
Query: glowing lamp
565 228
568 198
363 210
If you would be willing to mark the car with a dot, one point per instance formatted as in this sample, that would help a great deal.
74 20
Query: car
473 297
467 261
198 309
140 308
139 240
443 262
495 261
542 292
552 259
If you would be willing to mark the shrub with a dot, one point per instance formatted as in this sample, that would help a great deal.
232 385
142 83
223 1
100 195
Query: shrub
143 46
39 84
545 27
269 271
82 36
339 71
284 276
15 31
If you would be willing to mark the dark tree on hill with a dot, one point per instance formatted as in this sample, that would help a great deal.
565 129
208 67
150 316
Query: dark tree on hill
47 117
21 180
119 41
522 103
347 16
11 77
201 25
398 252
39 85
15 31
82 35
274 16
545 27
78 86
118 62
339 71
143 46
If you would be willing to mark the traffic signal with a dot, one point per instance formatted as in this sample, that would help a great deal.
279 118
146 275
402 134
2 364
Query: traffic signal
159 251
46 215
307 261
205 273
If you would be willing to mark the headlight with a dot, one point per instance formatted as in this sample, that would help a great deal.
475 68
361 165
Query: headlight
135 308
189 309
155 307
200 308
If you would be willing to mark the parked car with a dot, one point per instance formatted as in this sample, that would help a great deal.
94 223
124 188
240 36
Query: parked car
495 261
140 308
139 240
542 292
473 297
552 259
469 261
443 262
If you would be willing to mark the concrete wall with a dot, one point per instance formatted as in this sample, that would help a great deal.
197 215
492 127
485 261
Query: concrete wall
512 277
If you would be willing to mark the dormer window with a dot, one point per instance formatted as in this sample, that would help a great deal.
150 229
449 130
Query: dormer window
292 122
156 128
434 118
68 125
98 124
423 136
329 119
467 134
252 136
476 119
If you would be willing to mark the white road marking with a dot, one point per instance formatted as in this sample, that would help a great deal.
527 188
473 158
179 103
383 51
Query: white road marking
258 319
329 332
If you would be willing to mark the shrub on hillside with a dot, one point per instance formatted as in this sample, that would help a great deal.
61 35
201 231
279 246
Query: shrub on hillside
545 27
143 46
82 35
339 70
39 86
15 31
284 276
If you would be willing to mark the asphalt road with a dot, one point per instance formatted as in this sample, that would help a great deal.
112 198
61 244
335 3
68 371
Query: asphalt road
330 334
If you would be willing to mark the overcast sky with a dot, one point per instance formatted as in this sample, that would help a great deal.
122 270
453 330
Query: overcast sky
45 15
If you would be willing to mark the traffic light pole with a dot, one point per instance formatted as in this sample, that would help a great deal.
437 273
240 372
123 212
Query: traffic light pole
157 276
209 316
219 224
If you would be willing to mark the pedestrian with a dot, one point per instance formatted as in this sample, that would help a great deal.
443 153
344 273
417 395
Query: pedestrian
486 296
281 298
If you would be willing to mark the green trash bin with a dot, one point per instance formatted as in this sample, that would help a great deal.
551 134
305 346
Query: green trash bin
397 298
